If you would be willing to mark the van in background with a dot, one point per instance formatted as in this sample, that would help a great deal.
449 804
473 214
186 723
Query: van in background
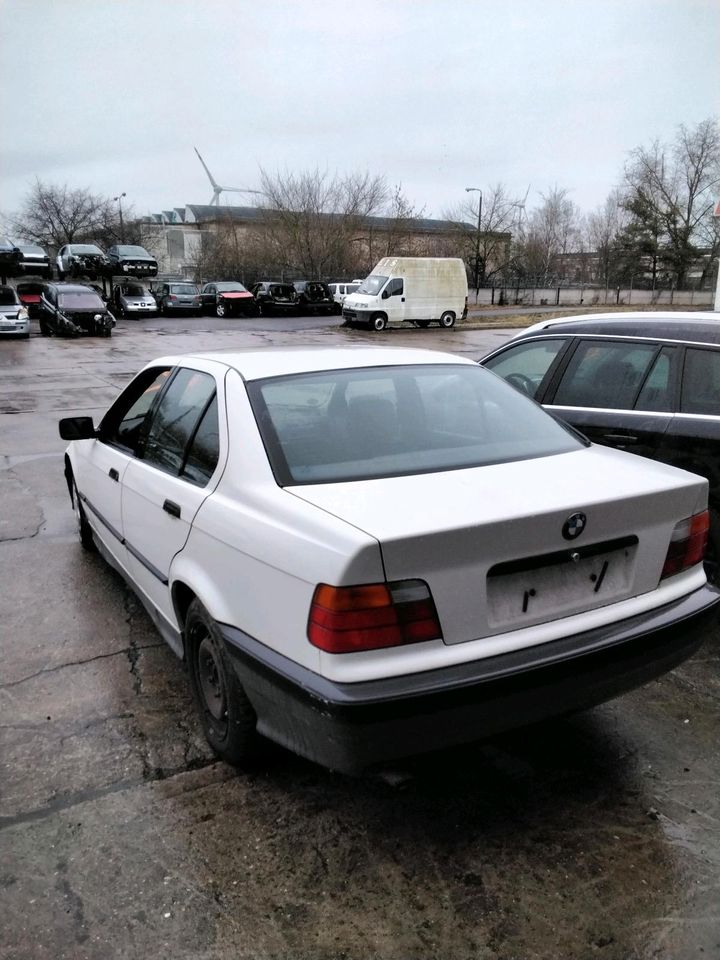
419 290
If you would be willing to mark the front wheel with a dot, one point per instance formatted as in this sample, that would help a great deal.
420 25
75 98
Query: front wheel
226 714
84 530
447 320
378 322
220 309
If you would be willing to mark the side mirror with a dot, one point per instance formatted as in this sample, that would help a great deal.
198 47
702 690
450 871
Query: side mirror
77 428
385 293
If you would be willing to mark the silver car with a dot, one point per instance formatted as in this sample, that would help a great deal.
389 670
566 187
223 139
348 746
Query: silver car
14 318
134 300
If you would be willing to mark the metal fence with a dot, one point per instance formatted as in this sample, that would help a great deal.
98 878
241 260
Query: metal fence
560 296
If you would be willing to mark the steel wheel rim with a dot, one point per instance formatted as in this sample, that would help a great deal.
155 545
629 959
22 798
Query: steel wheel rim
210 680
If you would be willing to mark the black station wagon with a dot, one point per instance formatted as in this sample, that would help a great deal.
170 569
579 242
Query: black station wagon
646 383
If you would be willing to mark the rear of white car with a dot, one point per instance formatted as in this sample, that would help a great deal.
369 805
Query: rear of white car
396 551
528 586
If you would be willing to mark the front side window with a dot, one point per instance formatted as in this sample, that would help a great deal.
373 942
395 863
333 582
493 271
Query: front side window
525 365
124 422
604 374
701 382
376 422
174 419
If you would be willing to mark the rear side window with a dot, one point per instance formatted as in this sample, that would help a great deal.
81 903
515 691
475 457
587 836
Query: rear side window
525 365
701 382
176 417
204 450
607 375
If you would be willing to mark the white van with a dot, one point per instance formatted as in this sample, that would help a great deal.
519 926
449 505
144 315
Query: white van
342 290
417 289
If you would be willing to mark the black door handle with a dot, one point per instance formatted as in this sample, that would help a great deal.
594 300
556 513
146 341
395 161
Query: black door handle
113 474
402 299
172 508
620 437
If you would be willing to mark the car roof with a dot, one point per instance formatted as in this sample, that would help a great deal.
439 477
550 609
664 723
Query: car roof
258 363
72 287
699 327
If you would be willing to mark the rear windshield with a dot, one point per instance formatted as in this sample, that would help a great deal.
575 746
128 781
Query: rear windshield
376 422
81 301
183 288
282 290
38 251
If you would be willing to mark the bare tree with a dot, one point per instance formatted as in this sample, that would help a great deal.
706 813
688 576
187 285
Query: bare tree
554 228
669 192
312 217
484 231
52 215
604 228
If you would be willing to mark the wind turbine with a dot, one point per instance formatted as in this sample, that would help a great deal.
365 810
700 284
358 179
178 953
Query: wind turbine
217 190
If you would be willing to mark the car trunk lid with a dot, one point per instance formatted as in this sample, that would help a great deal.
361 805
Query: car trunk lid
495 543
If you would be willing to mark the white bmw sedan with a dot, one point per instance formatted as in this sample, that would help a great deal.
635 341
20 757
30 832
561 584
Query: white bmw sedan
368 553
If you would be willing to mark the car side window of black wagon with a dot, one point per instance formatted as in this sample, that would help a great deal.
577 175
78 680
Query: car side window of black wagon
701 382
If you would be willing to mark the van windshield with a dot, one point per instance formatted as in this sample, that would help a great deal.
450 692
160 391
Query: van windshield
372 285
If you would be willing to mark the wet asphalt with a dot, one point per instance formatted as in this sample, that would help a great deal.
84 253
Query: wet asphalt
596 836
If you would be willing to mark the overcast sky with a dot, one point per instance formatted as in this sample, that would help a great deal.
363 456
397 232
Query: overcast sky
437 95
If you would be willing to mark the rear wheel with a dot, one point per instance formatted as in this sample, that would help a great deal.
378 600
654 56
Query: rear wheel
226 714
220 309
447 319
378 322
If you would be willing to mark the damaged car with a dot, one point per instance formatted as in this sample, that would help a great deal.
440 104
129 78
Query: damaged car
81 260
228 298
14 316
133 300
73 310
132 261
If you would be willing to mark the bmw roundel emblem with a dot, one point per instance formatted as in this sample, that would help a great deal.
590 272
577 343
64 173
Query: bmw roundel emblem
574 526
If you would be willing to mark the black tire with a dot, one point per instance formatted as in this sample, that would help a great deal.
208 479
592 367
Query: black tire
378 322
423 324
226 714
85 534
163 310
45 329
447 319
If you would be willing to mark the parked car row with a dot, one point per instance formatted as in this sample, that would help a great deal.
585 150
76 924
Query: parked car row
230 298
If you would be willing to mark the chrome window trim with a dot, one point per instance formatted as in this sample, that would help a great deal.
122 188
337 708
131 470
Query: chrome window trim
620 336
638 413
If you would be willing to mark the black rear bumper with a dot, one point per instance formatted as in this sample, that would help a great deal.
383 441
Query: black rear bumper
354 727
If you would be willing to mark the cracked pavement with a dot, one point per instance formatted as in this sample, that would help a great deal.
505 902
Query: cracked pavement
122 836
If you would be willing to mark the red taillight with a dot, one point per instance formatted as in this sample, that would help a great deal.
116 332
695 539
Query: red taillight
687 544
172 297
370 616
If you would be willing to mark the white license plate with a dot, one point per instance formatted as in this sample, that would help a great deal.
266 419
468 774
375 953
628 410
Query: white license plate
519 598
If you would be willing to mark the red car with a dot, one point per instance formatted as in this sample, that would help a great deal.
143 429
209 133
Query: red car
29 292
227 298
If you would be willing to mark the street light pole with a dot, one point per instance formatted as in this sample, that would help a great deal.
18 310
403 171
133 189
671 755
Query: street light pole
477 240
122 226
